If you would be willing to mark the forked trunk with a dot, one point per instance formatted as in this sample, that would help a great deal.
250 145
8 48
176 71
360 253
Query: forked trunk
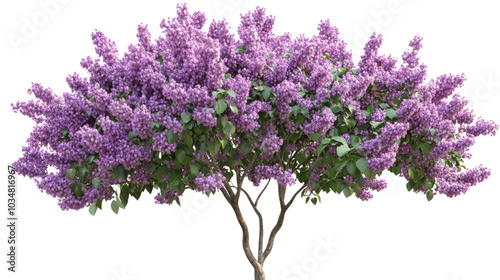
259 274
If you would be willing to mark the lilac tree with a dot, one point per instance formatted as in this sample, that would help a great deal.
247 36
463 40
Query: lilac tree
206 111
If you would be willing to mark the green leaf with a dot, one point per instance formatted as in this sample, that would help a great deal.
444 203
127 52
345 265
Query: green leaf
409 185
96 182
429 195
154 125
77 189
160 173
337 186
350 122
351 167
314 200
376 124
411 173
233 108
188 139
119 172
340 139
383 105
396 169
224 121
365 112
92 209
195 168
416 146
426 148
70 173
132 135
152 167
216 94
362 164
64 131
347 191
266 93
332 172
230 128
245 145
114 206
180 155
227 129
355 140
174 179
186 117
316 136
231 93
89 112
370 108
171 136
391 113
220 106
428 185
336 169
300 119
82 172
342 150
214 146
355 188
241 49
369 174
344 70
336 108
124 194
91 158
120 204
323 145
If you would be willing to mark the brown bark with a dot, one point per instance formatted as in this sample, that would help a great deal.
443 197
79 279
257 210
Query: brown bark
233 200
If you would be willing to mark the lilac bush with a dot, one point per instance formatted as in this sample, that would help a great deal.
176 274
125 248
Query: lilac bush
203 111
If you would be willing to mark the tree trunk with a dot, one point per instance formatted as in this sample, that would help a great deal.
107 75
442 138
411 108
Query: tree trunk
259 274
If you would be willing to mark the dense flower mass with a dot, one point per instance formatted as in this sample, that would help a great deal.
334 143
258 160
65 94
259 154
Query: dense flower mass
194 108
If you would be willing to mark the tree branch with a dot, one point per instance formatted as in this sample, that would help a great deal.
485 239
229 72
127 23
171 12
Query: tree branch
214 164
261 225
246 237
295 194
233 202
279 222
245 171
226 195
260 194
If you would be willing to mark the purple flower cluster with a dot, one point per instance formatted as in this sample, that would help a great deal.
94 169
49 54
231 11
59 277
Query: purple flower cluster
321 122
382 150
454 184
168 198
271 145
205 116
208 183
265 172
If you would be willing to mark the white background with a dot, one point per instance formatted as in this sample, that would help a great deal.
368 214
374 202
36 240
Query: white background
398 235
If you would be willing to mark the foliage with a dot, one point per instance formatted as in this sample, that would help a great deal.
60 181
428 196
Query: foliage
200 110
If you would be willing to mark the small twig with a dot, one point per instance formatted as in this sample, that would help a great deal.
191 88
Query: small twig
260 194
